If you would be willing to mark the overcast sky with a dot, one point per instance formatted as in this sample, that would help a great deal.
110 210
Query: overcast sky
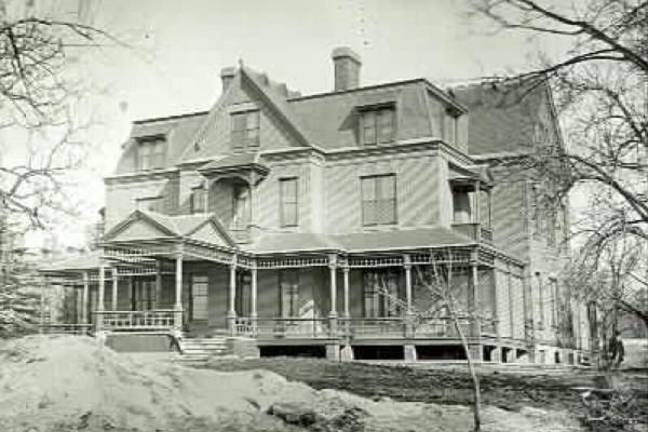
178 48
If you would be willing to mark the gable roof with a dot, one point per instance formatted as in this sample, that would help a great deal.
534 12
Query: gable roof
153 225
277 99
502 114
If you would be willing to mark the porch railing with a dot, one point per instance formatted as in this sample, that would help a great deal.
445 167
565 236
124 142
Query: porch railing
137 320
63 328
374 327
283 327
360 328
441 328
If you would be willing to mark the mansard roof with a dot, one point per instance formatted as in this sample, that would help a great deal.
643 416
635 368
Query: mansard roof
503 114
178 131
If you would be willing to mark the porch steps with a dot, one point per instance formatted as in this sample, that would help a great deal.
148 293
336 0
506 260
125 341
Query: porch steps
196 351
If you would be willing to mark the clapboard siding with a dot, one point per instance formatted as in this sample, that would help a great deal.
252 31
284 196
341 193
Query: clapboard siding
416 180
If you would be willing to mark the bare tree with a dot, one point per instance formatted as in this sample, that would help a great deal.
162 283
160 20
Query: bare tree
600 79
38 109
41 124
439 281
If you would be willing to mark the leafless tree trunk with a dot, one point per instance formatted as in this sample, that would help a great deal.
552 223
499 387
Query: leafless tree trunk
443 304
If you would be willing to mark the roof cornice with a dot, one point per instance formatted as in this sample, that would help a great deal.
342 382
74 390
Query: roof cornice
160 174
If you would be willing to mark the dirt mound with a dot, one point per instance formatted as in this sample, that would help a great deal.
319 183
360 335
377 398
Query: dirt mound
72 383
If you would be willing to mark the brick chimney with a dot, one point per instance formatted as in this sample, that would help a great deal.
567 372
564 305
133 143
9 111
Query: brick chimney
347 68
227 74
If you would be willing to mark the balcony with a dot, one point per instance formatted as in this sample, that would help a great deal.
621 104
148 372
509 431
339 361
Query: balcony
475 231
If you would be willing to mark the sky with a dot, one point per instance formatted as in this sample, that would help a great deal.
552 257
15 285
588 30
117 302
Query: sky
175 50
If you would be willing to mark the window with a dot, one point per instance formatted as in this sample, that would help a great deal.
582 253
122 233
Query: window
378 199
380 292
245 130
144 295
150 153
288 211
198 200
450 128
377 125
241 207
289 293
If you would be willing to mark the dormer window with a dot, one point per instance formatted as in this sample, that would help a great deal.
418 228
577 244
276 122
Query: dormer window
377 124
151 152
245 130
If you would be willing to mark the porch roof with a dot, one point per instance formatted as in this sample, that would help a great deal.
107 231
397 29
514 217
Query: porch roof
87 261
359 242
235 162
148 226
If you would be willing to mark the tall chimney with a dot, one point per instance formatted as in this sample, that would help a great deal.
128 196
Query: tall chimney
347 68
227 74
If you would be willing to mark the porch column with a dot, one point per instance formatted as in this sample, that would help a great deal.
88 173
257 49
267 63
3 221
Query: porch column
86 289
473 307
345 271
231 313
100 300
409 314
115 288
333 287
158 284
407 265
177 316
253 296
44 284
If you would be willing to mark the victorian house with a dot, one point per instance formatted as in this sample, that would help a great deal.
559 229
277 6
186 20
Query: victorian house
341 222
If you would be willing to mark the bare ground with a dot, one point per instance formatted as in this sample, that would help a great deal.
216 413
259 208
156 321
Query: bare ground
509 391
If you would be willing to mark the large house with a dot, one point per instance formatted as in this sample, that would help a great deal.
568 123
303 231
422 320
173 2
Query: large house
363 221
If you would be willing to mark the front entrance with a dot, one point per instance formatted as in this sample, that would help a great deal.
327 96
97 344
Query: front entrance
196 304
198 294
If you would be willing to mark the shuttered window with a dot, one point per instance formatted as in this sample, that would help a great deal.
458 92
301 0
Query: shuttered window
378 125
151 153
245 130
289 293
288 205
381 294
378 200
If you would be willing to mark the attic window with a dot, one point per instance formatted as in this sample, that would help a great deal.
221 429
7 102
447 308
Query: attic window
151 152
377 124
245 130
